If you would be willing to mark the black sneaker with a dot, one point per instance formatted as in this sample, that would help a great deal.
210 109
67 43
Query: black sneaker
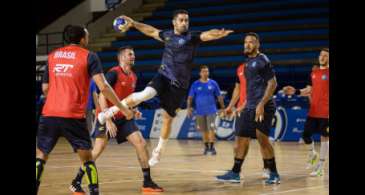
151 186
76 188
206 150
212 151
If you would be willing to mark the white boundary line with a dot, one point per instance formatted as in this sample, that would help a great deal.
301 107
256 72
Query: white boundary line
295 190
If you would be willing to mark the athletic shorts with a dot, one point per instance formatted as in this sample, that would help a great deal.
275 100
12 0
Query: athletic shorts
171 96
316 125
124 127
205 122
246 125
74 130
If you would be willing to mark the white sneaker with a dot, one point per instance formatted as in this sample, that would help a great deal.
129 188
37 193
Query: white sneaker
312 160
155 158
266 174
317 172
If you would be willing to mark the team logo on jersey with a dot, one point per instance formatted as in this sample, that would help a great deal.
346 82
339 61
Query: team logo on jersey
210 87
123 83
253 64
62 69
199 88
181 41
324 77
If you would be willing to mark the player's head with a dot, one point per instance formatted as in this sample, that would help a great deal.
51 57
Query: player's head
324 57
126 55
180 21
204 72
251 43
73 34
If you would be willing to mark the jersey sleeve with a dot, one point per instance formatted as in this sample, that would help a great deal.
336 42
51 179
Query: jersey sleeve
268 70
195 37
111 77
45 78
93 64
217 90
163 34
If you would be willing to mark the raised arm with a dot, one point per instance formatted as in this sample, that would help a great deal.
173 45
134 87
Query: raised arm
214 34
144 28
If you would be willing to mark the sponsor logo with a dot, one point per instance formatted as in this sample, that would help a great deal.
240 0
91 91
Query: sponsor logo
63 69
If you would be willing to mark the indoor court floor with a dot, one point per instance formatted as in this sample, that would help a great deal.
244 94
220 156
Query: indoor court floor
185 170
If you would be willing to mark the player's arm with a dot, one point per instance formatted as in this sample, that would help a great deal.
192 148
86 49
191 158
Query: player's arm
96 100
110 126
214 34
270 89
146 29
189 106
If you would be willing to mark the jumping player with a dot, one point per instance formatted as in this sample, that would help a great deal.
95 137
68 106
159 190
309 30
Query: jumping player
172 80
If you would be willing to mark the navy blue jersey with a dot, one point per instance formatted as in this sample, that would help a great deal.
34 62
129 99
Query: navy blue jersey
177 58
258 71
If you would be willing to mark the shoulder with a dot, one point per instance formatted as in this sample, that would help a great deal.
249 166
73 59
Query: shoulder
264 58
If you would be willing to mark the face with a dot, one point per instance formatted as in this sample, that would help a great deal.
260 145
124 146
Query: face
181 23
324 58
127 57
204 73
251 45
85 41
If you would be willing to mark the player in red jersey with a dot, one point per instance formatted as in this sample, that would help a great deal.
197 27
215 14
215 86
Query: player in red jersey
66 83
123 80
318 115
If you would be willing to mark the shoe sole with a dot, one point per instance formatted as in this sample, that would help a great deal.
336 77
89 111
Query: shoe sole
231 180
76 193
271 183
151 190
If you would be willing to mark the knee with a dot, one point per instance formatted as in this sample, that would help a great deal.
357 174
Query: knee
140 144
41 155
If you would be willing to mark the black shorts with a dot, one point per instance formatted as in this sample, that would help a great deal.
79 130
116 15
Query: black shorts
74 130
246 125
316 125
125 128
171 96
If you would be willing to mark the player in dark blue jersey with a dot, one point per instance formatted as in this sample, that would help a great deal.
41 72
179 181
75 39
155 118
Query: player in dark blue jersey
258 113
171 83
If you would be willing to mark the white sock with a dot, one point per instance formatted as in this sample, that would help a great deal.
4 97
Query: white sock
161 144
324 151
124 103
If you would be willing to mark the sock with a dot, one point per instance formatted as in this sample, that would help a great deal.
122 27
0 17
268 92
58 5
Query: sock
206 145
146 175
92 176
271 165
211 145
79 175
323 151
161 144
266 166
237 165
39 166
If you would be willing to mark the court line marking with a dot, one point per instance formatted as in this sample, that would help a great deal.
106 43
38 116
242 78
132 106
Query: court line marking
295 190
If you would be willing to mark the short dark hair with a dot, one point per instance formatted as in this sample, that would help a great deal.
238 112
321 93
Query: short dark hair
203 67
253 35
121 49
72 34
179 11
325 49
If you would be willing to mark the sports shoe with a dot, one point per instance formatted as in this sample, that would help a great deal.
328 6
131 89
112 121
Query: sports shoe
151 186
266 174
273 179
318 171
76 188
206 150
229 176
313 158
155 158
213 151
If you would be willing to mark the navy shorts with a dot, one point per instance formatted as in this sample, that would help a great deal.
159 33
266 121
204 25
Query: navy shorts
125 128
74 130
171 95
246 125
316 125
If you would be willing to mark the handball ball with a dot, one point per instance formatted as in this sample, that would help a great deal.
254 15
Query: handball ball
120 25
